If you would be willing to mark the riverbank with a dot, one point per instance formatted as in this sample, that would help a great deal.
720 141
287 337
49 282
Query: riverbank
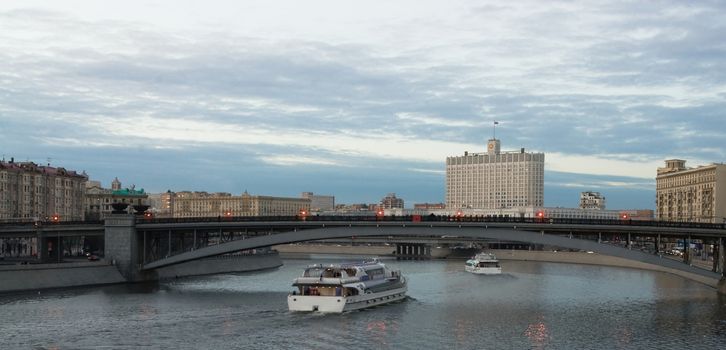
301 250
17 278
34 277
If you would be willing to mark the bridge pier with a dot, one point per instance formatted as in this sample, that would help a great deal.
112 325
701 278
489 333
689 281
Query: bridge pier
122 246
718 256
657 245
413 251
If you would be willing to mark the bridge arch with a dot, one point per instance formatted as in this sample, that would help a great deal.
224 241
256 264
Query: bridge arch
483 232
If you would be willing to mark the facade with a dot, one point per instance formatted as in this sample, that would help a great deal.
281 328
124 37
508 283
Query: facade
540 213
592 200
691 194
319 202
221 204
390 201
98 200
33 192
495 179
187 204
162 204
429 206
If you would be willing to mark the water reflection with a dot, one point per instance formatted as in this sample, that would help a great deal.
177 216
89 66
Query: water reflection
537 306
537 334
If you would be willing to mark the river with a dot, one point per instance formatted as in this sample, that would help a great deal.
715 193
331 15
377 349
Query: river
532 305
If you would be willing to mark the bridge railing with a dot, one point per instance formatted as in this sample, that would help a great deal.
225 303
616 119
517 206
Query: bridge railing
436 218
47 222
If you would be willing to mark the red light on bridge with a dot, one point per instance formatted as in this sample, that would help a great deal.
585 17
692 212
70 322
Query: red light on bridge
380 213
624 216
148 215
540 214
459 213
55 218
228 213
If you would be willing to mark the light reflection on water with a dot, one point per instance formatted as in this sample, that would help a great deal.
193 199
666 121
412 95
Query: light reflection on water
531 306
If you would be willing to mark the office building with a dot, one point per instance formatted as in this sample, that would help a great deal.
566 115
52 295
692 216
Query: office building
319 202
221 204
592 200
495 179
390 201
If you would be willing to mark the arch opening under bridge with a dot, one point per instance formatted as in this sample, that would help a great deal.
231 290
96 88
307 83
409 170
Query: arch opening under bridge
477 232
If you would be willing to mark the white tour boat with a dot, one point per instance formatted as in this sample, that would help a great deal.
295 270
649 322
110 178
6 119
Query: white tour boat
345 287
484 264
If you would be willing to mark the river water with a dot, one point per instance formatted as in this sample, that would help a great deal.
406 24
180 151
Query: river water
532 305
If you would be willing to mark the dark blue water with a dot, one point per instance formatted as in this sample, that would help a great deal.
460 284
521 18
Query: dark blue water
532 306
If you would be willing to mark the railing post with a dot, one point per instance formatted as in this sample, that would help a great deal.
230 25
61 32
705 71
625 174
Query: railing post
721 257
629 244
143 251
657 244
716 252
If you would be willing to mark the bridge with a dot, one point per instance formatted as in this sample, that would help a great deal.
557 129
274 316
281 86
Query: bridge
138 246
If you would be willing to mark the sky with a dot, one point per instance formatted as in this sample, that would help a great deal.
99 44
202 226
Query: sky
361 99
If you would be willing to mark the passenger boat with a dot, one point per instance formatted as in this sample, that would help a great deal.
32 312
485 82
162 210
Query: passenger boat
484 264
344 287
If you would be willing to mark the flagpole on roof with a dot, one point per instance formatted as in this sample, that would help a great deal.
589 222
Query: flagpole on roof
494 130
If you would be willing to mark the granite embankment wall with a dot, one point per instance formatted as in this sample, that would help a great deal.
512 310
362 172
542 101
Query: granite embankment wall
14 278
221 264
521 255
17 278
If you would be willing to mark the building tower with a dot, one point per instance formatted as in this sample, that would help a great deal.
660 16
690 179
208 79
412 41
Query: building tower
116 184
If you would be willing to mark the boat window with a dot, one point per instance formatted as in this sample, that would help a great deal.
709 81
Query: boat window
351 272
375 273
331 273
313 272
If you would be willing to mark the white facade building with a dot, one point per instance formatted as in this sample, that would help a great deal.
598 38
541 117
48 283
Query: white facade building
495 179
592 200
319 202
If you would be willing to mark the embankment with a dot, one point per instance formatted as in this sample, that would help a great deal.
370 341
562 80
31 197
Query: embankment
521 255
23 278
14 278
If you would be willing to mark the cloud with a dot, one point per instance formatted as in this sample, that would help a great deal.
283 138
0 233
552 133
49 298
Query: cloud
602 88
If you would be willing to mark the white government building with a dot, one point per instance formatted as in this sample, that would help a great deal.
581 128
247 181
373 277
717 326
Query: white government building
495 179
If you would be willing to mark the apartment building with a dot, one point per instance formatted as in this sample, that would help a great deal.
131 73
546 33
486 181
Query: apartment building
29 191
691 194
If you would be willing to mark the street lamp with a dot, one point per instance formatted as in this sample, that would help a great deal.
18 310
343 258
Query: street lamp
303 214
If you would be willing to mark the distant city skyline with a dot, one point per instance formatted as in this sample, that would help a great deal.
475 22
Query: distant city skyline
358 100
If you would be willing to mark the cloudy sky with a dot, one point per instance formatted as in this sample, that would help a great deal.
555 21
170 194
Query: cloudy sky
358 99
